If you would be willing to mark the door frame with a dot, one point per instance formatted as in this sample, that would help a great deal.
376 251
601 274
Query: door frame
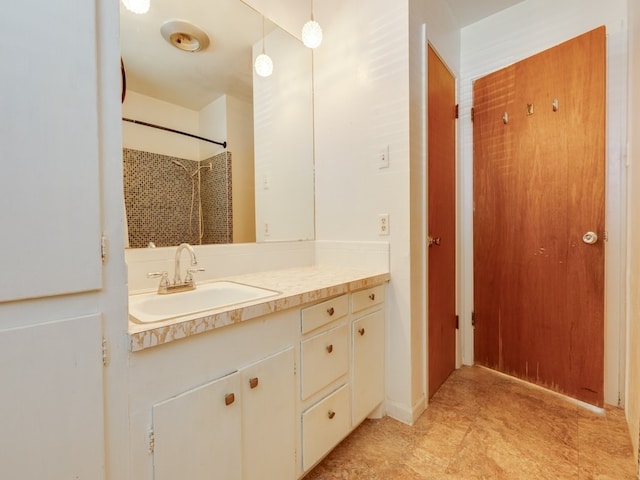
615 208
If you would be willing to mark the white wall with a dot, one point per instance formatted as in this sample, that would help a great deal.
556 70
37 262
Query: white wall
283 129
151 110
369 94
240 144
212 124
512 35
633 310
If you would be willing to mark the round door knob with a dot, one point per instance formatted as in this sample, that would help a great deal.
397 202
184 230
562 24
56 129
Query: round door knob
590 238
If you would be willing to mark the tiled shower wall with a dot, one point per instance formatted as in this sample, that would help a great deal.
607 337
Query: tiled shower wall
163 203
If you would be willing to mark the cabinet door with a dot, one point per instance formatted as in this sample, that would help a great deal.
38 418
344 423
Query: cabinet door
50 145
368 364
198 433
268 418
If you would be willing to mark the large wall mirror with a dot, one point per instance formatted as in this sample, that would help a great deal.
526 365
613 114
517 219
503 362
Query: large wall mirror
256 183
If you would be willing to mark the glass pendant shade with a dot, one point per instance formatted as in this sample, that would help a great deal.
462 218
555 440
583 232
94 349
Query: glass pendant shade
311 34
137 6
263 65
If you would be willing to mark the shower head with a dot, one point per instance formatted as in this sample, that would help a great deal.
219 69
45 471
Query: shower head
176 162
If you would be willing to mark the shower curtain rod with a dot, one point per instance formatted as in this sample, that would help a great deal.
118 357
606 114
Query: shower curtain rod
139 122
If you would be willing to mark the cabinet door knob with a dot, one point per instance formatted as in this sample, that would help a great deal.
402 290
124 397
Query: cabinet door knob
372 297
361 331
331 414
331 311
329 348
229 398
253 382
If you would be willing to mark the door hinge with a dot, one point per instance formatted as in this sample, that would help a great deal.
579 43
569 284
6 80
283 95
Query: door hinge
152 441
457 111
103 248
457 322
473 319
105 351
473 113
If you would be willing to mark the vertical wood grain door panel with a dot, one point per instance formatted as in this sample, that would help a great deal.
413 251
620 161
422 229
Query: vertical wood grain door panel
539 177
442 214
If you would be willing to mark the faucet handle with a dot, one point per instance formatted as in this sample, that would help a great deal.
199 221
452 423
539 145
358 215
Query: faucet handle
189 278
164 281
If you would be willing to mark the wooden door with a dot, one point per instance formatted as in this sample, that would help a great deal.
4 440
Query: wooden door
442 214
539 176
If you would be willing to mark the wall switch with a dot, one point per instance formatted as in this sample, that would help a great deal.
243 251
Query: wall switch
383 224
383 160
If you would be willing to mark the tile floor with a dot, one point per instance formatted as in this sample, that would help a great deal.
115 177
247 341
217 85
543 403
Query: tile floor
483 425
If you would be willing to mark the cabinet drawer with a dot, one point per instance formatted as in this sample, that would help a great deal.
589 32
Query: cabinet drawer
367 298
324 358
323 313
324 425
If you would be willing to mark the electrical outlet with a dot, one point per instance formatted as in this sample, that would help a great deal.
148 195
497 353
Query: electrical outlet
383 224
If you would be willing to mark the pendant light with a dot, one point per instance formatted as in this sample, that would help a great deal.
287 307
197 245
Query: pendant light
312 32
263 64
137 6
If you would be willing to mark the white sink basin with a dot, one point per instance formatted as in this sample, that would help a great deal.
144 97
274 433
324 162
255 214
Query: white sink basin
151 307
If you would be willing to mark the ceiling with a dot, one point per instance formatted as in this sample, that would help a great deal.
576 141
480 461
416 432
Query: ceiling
193 80
467 12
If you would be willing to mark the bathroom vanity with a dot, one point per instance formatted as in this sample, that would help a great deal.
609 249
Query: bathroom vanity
263 389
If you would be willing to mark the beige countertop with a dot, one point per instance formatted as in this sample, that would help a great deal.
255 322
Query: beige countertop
297 286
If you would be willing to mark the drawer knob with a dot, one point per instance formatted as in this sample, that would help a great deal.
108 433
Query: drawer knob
331 311
229 398
253 382
361 331
331 414
329 348
372 297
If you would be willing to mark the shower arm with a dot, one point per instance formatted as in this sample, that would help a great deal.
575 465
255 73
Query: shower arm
139 122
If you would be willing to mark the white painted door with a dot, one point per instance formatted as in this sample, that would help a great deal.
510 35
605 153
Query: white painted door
49 145
51 420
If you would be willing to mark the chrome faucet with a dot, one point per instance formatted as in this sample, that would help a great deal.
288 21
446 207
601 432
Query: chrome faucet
178 285
176 272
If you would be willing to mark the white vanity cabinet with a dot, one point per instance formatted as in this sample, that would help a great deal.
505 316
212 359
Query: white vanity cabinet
261 399
224 430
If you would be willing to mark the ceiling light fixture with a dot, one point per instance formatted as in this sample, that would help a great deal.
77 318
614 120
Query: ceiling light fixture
312 32
184 35
137 6
263 64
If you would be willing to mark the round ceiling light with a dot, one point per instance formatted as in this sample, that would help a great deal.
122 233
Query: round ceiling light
184 35
264 65
312 34
137 6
